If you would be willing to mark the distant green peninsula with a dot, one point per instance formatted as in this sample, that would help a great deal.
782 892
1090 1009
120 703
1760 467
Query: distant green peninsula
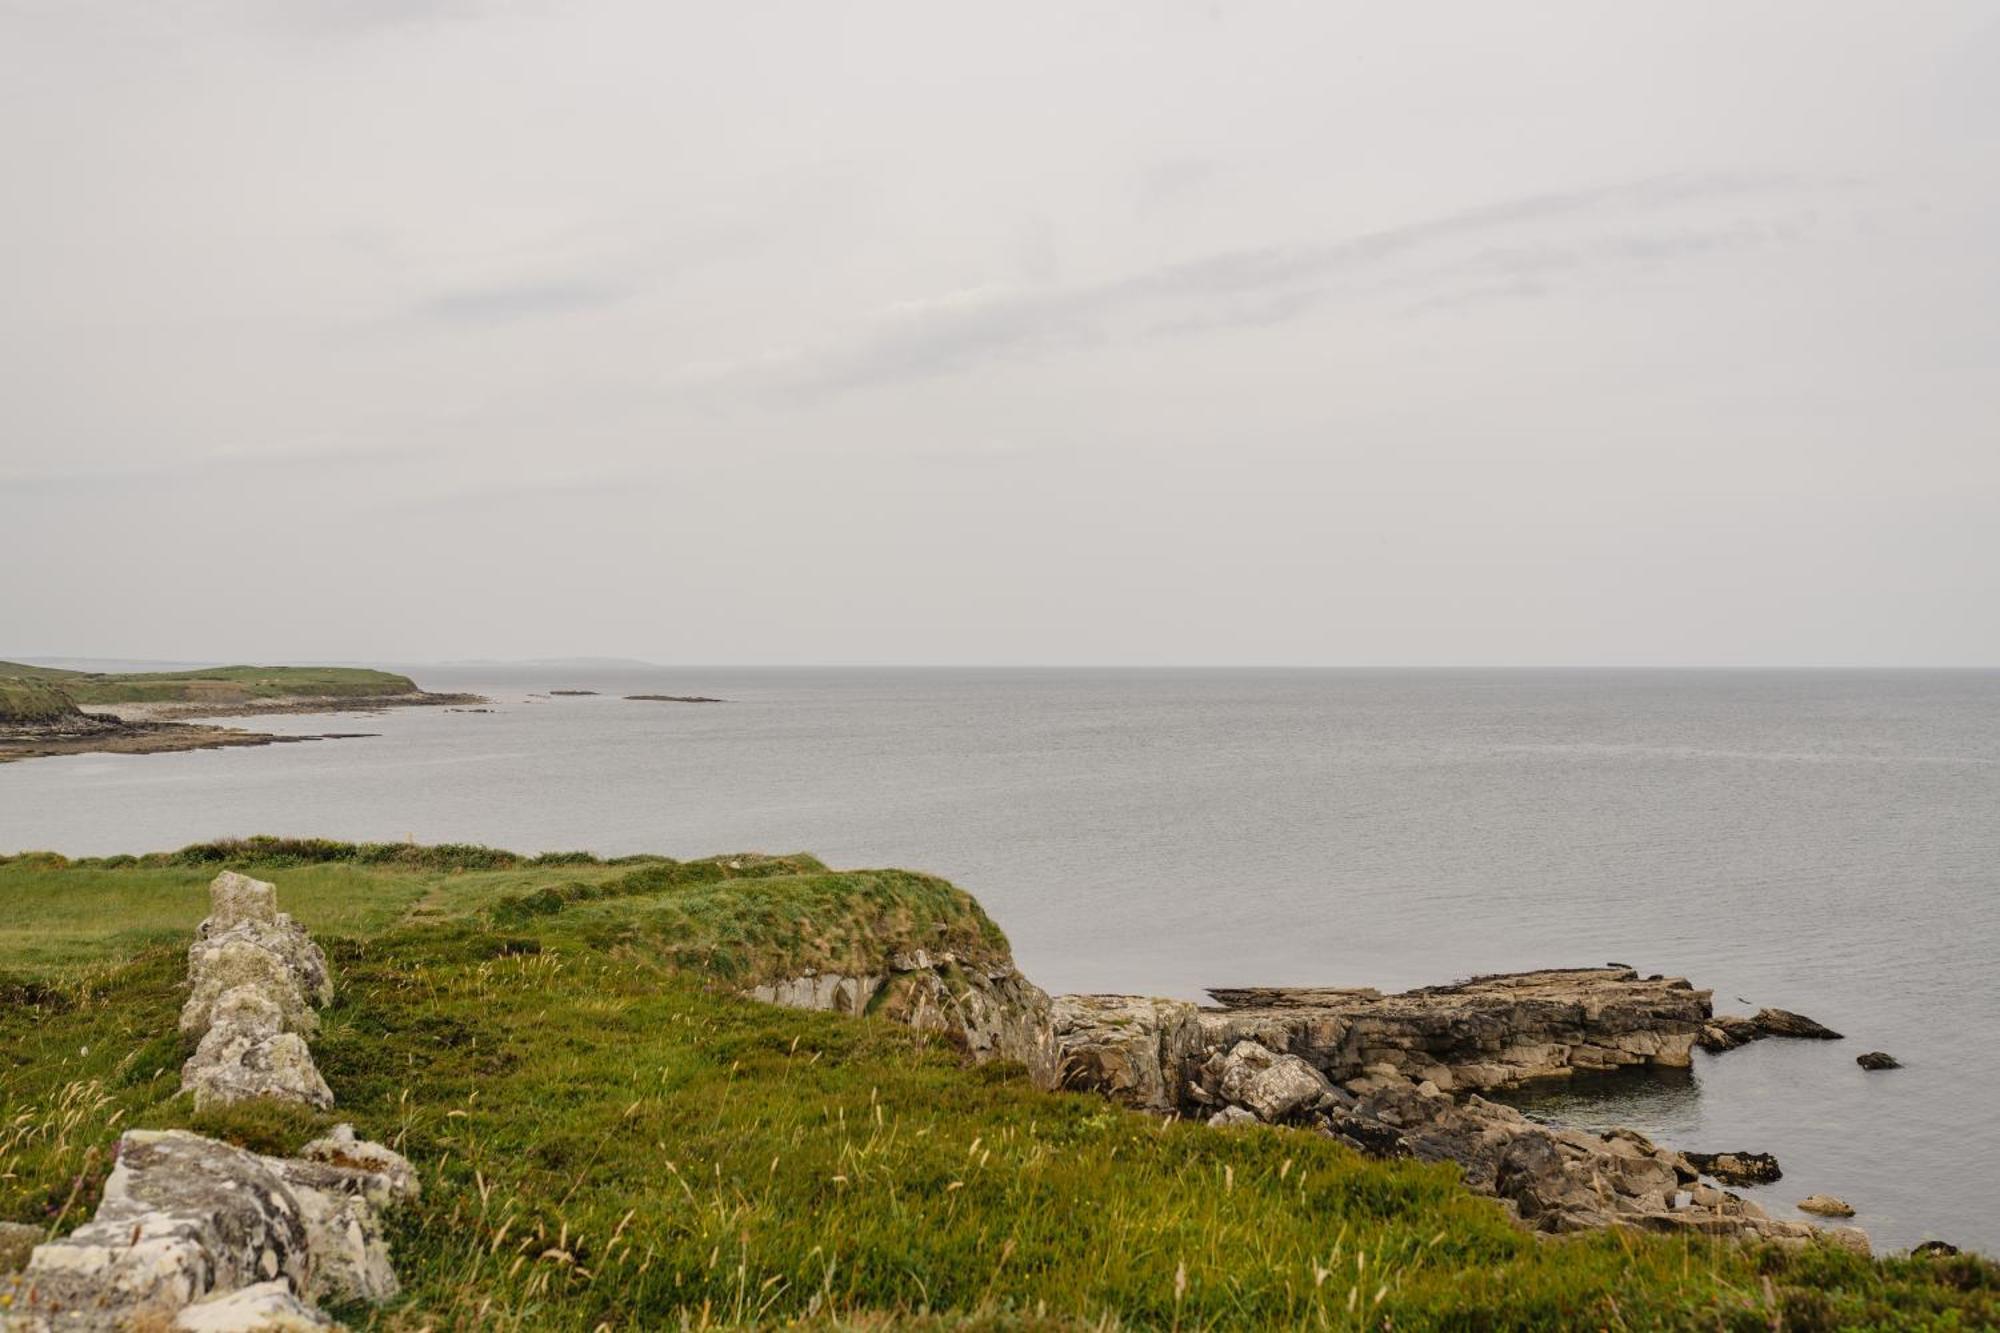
51 711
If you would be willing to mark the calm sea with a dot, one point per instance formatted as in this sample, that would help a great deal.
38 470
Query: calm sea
1822 841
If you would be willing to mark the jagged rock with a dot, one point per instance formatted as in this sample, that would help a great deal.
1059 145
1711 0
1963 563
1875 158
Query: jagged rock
246 1053
1488 1033
1934 1249
990 1011
1232 1115
1737 1168
187 1221
266 1307
1785 1023
181 1217
992 1014
390 1179
254 978
17 1242
234 899
1878 1060
238 962
1556 1179
245 909
1272 1087
1134 1049
1825 1205
1725 1032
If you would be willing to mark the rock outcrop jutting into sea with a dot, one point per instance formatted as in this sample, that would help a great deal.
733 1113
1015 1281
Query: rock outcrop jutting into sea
256 979
1401 1075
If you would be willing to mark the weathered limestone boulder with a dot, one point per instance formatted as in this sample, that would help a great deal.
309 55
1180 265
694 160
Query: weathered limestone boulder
1271 1087
236 962
214 1237
1488 1033
1134 1049
182 1216
1825 1205
266 1307
1874 1060
385 1176
247 1053
254 980
1737 1168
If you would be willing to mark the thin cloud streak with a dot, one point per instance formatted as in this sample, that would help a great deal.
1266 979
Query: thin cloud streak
1248 287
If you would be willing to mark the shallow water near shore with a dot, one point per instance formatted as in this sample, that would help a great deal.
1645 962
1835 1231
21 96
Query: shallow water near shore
1822 841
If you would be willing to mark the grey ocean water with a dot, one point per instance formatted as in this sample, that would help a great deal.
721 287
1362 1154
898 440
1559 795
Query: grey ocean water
1823 841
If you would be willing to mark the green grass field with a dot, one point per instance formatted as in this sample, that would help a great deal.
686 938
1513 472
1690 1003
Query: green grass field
229 684
610 1138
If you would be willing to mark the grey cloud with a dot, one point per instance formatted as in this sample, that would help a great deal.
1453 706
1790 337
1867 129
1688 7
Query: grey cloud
1247 287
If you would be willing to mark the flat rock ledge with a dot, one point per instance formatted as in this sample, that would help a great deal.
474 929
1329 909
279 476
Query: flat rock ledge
195 1234
1402 1076
256 980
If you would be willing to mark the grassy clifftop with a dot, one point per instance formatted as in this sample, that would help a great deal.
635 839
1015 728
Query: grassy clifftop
610 1137
31 702
229 684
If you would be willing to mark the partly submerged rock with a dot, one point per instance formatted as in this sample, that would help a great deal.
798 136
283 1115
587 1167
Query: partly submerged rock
1725 1032
1488 1033
1737 1168
1785 1023
1825 1205
1555 1179
1873 1060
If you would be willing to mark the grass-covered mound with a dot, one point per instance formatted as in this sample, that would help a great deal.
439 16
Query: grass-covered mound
212 685
609 1137
31 702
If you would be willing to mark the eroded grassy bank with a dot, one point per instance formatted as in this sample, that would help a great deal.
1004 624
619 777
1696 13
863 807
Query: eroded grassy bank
610 1136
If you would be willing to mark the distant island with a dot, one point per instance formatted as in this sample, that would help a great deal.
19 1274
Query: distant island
676 698
52 711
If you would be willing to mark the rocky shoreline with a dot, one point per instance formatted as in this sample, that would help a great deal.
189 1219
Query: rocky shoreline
152 728
1403 1075
316 703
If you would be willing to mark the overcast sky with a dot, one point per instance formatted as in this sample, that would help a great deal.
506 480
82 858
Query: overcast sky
1012 333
